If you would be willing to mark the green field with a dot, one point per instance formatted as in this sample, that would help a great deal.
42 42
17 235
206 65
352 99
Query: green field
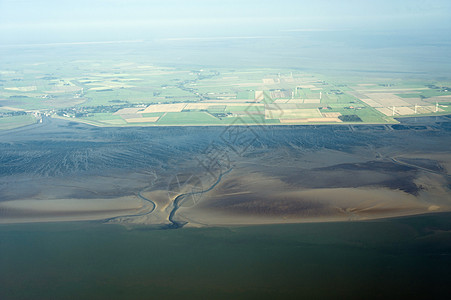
92 91
251 120
16 121
364 112
159 114
240 109
245 95
102 117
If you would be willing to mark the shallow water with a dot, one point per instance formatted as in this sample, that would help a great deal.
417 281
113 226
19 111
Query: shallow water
402 257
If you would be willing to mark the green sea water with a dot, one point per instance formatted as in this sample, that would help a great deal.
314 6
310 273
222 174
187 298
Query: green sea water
392 258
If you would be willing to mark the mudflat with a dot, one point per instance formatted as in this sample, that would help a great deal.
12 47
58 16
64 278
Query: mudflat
204 176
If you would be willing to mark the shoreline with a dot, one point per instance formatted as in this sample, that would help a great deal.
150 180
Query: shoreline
99 125
312 221
88 122
63 210
99 218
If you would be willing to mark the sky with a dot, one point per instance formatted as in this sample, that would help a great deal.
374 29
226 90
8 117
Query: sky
33 21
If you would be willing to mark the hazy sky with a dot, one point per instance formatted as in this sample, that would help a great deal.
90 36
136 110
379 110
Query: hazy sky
54 20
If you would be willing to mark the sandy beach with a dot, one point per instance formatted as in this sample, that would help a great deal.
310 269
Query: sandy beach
57 210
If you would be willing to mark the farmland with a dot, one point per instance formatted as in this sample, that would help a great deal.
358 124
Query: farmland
111 93
16 121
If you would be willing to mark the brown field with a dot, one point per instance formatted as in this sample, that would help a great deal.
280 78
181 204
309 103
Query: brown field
331 115
386 99
281 94
439 99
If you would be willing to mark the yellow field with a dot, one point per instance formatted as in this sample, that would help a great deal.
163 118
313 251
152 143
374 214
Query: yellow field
282 101
259 96
268 81
89 80
292 113
113 122
371 102
386 111
404 111
142 120
109 85
310 120
22 88
176 107
324 120
387 99
312 101
295 101
12 108
250 84
428 108
366 84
